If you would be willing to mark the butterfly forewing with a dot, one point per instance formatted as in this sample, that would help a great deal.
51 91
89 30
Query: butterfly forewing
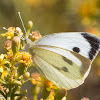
85 44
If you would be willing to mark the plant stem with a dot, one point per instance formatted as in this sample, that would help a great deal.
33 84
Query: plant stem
3 94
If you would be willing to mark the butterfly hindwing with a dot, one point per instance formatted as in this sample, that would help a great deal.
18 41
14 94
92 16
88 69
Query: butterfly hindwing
59 67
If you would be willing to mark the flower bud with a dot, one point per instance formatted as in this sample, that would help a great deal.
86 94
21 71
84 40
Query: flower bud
35 35
18 30
17 82
26 75
29 26
15 44
8 45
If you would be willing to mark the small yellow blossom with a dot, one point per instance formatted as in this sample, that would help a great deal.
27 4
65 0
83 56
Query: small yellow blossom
10 33
1 69
49 85
40 81
2 66
22 57
17 57
10 55
1 57
36 79
51 96
2 60
26 58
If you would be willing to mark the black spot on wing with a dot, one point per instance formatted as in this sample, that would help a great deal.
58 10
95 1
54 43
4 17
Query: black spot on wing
94 42
64 69
76 49
67 60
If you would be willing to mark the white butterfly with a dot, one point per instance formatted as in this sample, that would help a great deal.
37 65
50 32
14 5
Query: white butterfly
65 58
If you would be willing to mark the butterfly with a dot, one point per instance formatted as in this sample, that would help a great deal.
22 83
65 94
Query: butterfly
65 58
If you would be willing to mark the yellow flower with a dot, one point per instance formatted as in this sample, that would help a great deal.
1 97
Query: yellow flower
26 58
51 96
2 66
49 85
2 60
9 55
3 71
22 57
40 81
36 79
10 33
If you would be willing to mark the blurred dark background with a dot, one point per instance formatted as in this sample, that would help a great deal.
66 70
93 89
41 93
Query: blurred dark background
50 16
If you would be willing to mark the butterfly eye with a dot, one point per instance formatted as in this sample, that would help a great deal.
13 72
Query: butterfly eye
76 49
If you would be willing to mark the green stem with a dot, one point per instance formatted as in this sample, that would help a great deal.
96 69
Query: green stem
35 92
3 94
13 92
8 98
20 96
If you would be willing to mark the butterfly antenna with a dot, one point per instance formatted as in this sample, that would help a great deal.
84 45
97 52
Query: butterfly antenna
22 22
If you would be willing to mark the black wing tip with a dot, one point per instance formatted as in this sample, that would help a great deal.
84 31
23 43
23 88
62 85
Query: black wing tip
94 42
91 37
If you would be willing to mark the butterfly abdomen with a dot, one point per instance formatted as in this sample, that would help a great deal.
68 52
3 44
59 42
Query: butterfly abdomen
94 43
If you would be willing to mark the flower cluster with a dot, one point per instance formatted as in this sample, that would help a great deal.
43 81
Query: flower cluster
3 61
10 33
14 69
14 65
